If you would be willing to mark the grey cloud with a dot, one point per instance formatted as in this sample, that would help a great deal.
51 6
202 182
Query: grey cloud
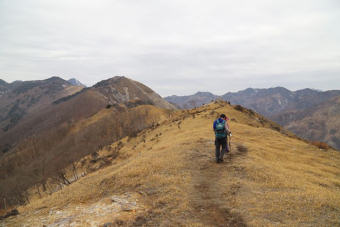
175 47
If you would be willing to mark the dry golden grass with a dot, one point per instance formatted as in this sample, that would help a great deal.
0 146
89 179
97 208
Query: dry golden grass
276 181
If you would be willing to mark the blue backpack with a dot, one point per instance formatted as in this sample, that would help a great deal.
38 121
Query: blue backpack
220 131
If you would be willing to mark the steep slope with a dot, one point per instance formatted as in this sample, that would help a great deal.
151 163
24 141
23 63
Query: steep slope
166 176
68 109
74 126
320 123
20 99
122 90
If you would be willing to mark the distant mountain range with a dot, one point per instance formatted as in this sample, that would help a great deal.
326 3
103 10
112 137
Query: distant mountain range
291 109
192 101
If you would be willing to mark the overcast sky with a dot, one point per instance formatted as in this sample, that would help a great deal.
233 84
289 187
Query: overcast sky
174 46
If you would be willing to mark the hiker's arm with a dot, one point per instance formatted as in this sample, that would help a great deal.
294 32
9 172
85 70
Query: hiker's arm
226 126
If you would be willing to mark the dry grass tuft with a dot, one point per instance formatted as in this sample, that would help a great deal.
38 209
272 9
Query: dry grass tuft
240 108
241 148
321 145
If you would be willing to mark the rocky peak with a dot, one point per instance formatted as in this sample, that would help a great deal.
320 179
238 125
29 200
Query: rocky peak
112 81
120 89
75 82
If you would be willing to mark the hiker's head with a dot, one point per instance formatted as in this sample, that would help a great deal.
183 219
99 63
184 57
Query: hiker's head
223 116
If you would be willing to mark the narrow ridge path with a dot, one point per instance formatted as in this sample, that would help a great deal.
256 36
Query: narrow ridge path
207 198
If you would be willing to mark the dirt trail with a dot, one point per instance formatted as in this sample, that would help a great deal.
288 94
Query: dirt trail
207 196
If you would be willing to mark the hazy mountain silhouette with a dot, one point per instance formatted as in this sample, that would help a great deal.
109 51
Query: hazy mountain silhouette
191 101
272 101
281 105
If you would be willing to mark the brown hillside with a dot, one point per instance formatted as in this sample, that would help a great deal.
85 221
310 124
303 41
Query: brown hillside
321 123
24 98
46 142
81 105
53 116
167 176
122 90
39 158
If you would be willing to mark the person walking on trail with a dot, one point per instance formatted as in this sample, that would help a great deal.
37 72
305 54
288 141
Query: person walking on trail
221 130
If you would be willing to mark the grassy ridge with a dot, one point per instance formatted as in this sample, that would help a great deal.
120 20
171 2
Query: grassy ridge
268 179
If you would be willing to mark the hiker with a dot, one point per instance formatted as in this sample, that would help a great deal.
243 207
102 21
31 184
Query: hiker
221 130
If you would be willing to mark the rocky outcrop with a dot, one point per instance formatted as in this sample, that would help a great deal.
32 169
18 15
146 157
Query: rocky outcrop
123 90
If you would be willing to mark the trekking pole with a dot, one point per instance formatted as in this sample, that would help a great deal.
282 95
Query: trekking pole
230 142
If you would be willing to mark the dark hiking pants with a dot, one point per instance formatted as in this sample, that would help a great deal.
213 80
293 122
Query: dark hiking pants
220 144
